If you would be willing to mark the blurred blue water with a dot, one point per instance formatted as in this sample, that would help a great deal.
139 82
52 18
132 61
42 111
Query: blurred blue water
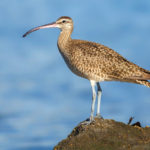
40 99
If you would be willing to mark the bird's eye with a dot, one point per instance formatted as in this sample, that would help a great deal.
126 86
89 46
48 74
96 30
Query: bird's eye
63 21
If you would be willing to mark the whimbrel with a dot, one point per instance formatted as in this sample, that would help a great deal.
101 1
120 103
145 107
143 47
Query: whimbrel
94 61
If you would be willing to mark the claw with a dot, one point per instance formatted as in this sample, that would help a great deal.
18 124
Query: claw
87 121
99 116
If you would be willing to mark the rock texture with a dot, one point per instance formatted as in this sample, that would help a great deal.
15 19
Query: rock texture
104 134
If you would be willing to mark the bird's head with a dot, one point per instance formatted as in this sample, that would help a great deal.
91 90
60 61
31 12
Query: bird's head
63 23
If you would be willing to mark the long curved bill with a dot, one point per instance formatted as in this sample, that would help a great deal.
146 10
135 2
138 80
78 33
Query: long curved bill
50 25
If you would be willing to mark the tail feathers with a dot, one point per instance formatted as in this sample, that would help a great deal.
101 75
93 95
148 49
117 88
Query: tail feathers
146 74
143 82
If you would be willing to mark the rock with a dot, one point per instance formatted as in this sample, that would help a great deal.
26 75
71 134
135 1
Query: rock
105 134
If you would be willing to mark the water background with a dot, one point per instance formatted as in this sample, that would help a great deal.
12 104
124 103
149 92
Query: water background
41 101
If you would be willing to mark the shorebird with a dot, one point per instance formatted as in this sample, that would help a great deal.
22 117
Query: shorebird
94 61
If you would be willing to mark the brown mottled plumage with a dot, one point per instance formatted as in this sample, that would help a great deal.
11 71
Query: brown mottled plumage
94 61
98 62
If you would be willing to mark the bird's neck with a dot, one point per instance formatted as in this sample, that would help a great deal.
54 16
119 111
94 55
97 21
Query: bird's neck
64 39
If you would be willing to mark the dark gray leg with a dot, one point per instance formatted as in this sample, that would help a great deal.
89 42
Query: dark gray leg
99 94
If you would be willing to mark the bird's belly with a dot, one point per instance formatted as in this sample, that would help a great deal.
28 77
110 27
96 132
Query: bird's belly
86 74
84 70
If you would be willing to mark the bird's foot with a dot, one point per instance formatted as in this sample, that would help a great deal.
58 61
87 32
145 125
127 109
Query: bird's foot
99 116
87 121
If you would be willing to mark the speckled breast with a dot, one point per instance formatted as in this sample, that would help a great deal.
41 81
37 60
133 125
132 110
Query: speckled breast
82 68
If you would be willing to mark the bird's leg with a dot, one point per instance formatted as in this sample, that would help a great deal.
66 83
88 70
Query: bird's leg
89 120
99 94
93 83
